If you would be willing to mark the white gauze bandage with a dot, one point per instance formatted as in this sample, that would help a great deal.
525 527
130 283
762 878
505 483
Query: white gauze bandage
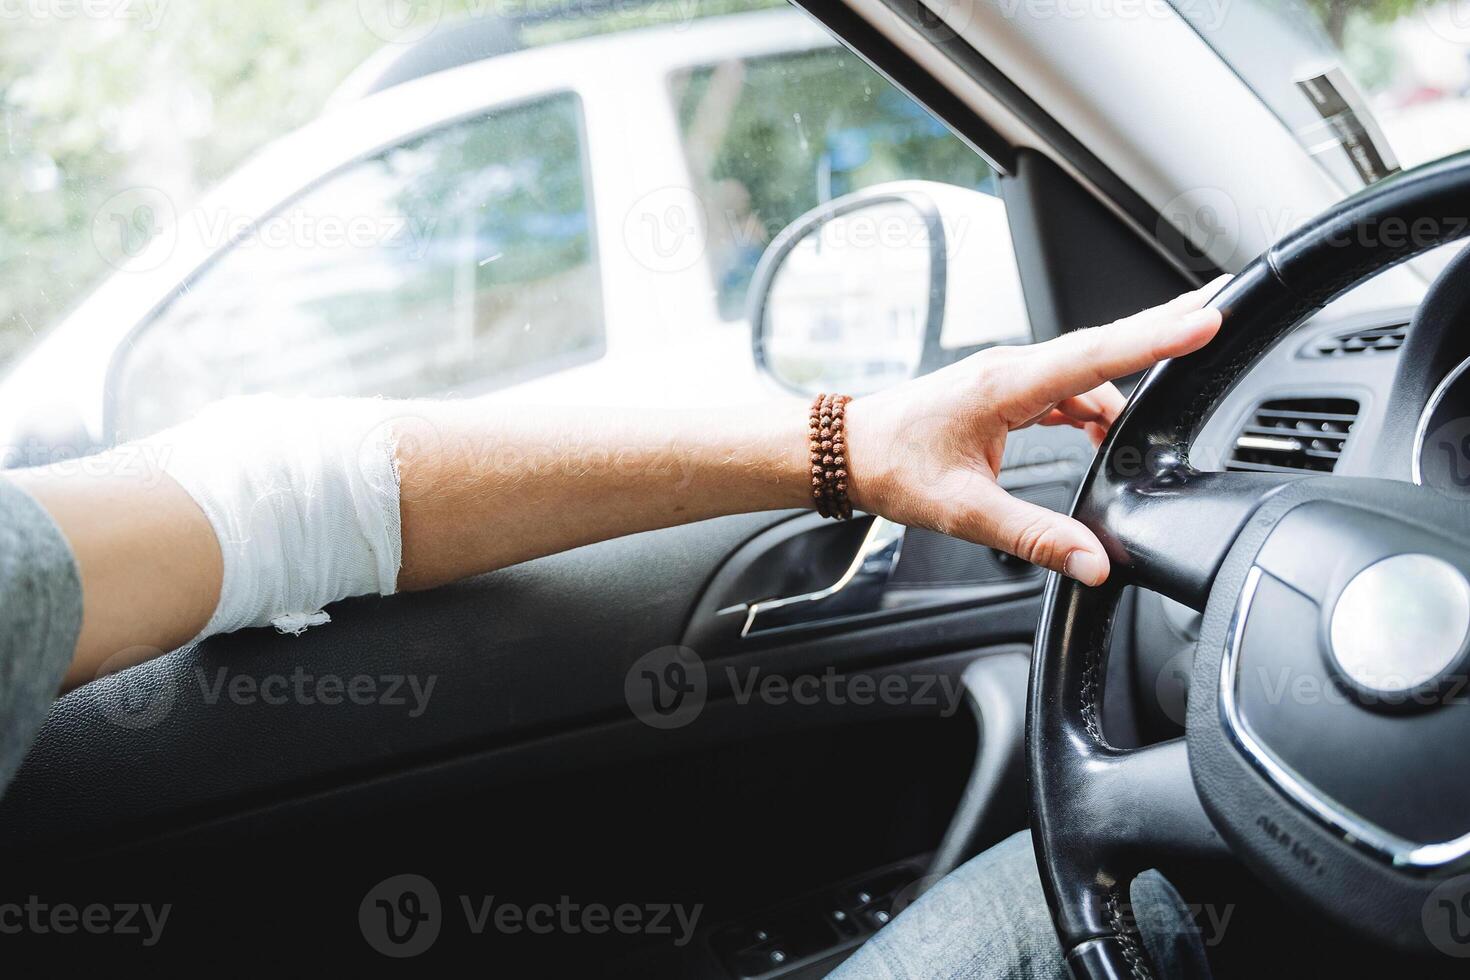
303 496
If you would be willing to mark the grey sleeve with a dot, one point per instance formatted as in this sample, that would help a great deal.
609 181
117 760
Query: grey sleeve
40 617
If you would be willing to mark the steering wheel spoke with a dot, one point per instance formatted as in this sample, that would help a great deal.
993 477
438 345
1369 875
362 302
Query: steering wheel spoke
1170 531
1146 808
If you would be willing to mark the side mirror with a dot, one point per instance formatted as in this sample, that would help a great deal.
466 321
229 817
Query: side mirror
883 284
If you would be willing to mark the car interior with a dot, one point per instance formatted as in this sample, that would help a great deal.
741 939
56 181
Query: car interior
772 733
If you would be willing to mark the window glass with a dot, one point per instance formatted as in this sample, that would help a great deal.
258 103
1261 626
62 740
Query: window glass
522 248
1365 85
768 138
456 263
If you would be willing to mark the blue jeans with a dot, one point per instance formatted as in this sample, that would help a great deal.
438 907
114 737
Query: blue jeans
988 919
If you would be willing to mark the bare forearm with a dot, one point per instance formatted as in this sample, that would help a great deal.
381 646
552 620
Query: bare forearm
147 556
483 487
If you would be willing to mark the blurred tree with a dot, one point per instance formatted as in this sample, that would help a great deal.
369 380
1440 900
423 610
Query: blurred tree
91 107
1335 14
174 95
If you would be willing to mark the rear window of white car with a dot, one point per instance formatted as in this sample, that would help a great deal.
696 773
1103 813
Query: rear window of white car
769 138
459 262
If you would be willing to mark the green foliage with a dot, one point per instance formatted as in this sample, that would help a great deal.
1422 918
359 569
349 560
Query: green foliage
174 96
1335 14
93 107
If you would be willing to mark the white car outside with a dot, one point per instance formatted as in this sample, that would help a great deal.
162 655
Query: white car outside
664 338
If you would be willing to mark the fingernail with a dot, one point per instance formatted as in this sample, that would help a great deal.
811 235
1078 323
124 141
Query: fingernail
1086 567
1199 318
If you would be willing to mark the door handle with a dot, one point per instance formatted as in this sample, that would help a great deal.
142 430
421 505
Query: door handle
858 589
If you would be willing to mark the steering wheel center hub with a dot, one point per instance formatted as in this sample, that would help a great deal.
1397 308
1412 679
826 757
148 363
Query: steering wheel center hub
1400 626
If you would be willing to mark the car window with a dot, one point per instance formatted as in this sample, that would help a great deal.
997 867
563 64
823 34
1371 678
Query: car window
1367 86
768 138
455 263
540 250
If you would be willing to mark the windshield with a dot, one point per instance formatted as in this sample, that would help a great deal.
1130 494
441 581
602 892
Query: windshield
1367 86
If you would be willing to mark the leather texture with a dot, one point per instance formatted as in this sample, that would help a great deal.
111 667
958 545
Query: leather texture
1275 838
1100 814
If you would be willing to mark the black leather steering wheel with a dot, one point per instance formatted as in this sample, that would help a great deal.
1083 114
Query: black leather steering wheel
1356 802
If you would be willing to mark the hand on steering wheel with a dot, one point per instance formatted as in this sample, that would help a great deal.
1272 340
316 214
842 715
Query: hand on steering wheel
1352 802
927 453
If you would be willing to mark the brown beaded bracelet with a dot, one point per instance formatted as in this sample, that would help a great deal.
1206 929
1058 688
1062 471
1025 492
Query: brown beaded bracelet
827 439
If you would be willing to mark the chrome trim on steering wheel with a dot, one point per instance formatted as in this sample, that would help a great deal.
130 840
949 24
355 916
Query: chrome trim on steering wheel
1421 430
1353 829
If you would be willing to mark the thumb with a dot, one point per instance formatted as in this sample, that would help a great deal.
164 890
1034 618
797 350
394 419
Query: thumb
1034 534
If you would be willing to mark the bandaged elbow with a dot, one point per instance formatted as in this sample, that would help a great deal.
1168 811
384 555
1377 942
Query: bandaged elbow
303 497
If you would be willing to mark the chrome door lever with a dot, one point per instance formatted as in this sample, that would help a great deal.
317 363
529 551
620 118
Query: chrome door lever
858 589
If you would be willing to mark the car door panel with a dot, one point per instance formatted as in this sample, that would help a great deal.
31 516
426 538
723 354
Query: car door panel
521 764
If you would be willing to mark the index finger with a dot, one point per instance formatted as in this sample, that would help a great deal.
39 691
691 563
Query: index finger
1081 361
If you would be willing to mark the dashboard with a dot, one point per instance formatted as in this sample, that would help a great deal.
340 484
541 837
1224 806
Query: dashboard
1317 402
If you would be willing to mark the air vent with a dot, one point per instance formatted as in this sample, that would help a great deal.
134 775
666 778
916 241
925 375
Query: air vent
1294 434
1370 340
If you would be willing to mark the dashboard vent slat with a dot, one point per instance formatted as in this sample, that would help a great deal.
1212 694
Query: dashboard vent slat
1368 340
1294 435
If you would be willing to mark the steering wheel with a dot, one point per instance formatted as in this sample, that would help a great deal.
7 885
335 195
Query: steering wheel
1355 799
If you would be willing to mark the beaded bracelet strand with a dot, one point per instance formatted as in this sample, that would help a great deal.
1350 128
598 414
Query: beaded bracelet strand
827 440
